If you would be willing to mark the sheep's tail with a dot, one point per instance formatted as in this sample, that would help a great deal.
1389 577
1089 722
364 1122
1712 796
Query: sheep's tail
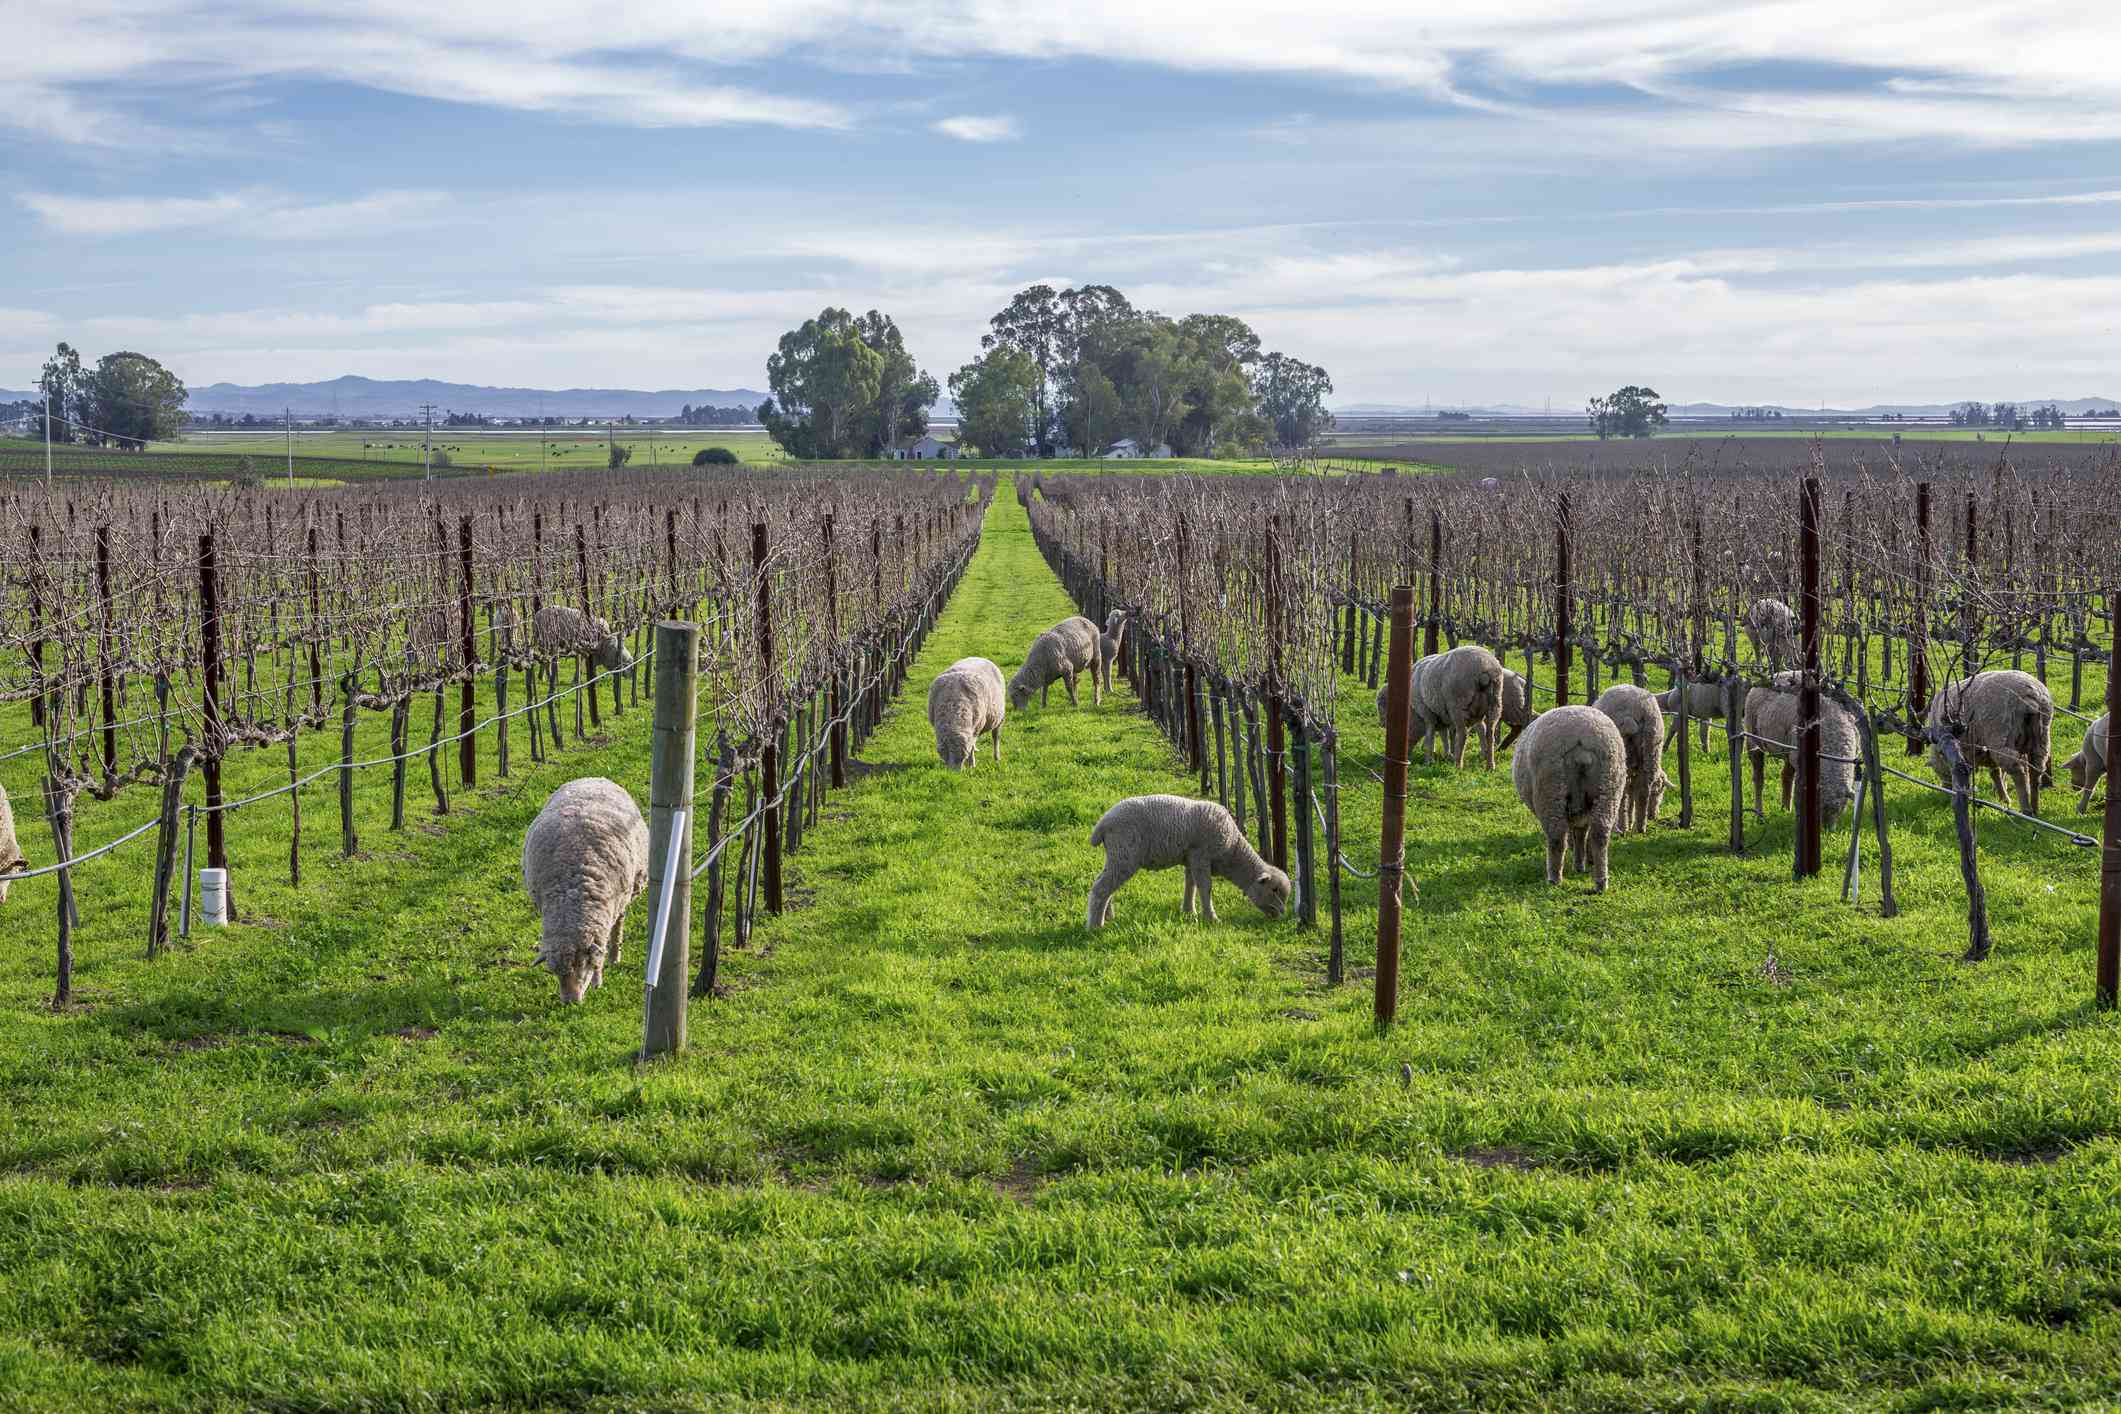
1580 764
1487 695
2034 727
1097 833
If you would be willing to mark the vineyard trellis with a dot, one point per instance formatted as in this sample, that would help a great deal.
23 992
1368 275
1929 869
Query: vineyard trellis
1251 599
151 630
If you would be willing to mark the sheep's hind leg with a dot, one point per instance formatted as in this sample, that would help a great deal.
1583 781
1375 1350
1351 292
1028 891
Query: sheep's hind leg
1554 859
1203 878
1759 760
1578 841
997 746
1101 893
1601 842
1068 681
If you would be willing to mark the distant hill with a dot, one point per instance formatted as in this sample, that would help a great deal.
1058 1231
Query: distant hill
370 397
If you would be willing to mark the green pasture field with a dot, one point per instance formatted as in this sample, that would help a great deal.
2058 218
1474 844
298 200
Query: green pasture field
2069 436
572 449
1712 1139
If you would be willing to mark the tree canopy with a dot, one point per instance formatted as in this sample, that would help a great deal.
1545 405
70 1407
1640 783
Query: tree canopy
126 400
844 387
1630 412
997 402
1100 369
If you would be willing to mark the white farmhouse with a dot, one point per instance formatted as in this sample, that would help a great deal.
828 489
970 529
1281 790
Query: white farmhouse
1126 448
926 447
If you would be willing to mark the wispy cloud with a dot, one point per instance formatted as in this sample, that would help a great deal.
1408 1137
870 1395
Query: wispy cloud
969 127
262 215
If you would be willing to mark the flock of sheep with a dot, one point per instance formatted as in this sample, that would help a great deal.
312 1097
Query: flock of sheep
1585 772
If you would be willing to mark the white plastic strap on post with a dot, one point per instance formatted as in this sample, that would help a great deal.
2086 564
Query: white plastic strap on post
662 907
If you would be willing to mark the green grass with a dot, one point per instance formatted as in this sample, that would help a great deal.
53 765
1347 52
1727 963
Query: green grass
941 1148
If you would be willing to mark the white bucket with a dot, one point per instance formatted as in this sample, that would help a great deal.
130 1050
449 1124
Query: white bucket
213 897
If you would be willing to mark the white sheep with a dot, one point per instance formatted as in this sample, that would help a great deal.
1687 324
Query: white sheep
965 700
557 628
1109 644
1171 832
1635 712
1772 625
1704 703
1435 702
11 860
1058 654
585 860
2085 769
2008 717
1571 770
1772 724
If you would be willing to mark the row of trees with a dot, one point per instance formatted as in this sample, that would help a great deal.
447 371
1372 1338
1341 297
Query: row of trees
1075 368
2007 416
126 400
1078 368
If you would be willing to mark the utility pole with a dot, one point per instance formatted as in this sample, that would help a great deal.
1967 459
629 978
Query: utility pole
427 465
47 441
288 417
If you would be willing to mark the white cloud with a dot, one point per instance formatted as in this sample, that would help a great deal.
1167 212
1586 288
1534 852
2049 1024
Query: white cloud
969 127
261 215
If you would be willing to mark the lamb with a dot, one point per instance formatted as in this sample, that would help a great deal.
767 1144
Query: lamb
2008 716
965 700
2085 769
1109 644
1641 722
1771 727
1172 831
559 629
1571 770
1772 626
1704 703
585 860
11 860
1068 648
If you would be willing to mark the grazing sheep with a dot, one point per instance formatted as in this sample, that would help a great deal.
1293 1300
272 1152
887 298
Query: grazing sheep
1704 703
1641 722
1414 705
1170 832
1109 644
2008 716
965 700
2085 769
1514 706
585 859
559 629
1771 726
11 860
1571 770
1772 626
1068 648
1461 691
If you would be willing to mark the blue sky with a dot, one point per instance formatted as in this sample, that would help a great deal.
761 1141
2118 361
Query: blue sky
1792 202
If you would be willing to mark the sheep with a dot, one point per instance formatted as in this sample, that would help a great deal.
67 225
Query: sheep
2085 769
1571 770
1432 703
11 860
559 629
1109 645
1641 722
2008 716
1772 626
1068 648
1461 690
965 700
1704 703
585 860
1173 831
1771 727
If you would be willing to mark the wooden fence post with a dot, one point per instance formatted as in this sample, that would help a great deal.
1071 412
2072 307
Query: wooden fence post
677 693
1562 607
724 777
1430 629
166 849
1918 656
1810 848
1392 855
210 714
2110 851
769 765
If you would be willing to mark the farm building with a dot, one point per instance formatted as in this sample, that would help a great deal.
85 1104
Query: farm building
926 447
1127 447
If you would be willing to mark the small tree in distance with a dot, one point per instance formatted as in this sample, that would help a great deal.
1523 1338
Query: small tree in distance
620 454
714 456
1630 412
